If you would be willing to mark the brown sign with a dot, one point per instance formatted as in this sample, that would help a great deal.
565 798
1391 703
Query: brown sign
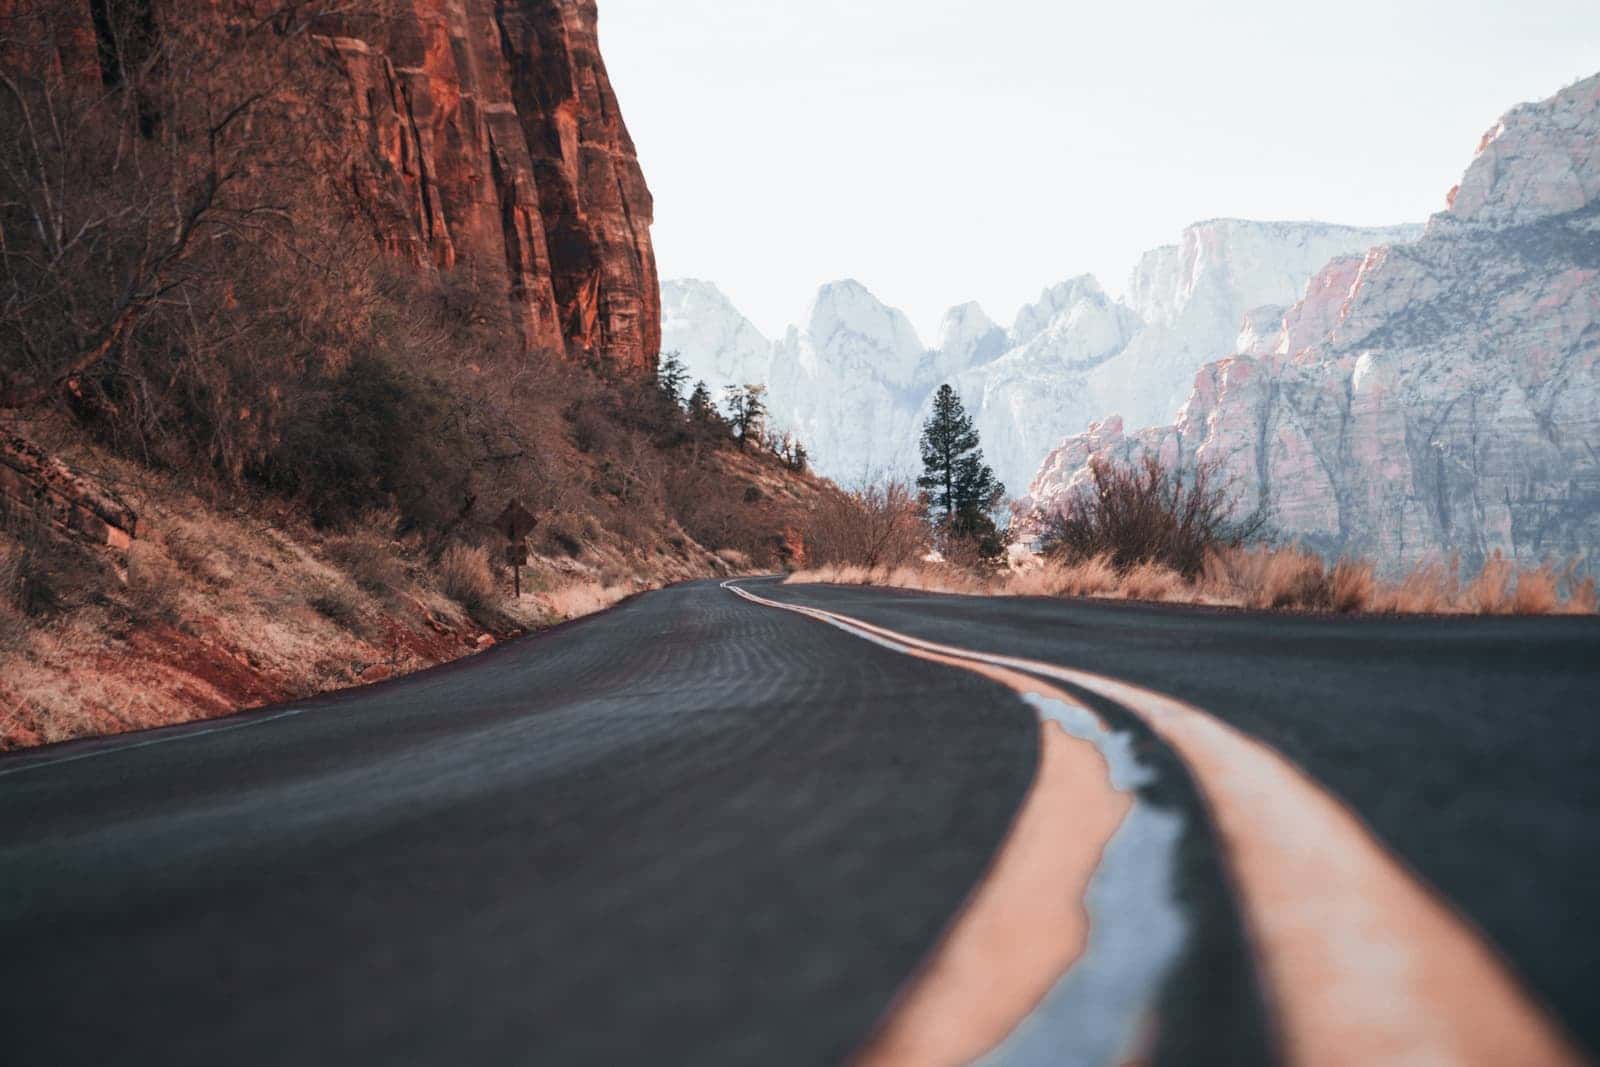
517 554
516 521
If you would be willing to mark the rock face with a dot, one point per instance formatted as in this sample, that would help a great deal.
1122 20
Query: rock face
40 487
698 321
855 382
498 150
1430 398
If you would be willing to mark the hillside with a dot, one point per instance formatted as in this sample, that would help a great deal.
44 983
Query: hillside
292 308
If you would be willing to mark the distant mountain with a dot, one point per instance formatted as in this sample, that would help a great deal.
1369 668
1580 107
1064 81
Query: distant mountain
1440 396
854 380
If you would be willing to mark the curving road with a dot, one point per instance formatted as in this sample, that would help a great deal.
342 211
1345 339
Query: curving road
700 829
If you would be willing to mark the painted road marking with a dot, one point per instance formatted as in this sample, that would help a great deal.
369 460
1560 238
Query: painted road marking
1363 962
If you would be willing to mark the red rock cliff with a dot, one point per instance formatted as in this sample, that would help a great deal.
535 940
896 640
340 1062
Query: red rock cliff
497 150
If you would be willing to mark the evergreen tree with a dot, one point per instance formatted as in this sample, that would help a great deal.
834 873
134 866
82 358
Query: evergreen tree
701 409
962 489
747 411
671 377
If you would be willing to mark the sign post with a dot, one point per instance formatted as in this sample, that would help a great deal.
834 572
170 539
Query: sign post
516 522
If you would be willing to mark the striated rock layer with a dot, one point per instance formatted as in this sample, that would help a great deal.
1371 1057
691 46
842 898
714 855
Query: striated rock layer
496 149
1436 397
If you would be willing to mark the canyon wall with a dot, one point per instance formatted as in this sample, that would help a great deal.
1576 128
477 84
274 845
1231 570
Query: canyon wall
496 149
1436 397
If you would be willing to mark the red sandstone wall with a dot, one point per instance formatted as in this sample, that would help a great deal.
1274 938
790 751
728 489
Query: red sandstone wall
496 148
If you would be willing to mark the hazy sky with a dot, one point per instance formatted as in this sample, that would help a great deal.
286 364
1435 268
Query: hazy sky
950 150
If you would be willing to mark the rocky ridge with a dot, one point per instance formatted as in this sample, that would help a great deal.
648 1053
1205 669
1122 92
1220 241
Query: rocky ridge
1436 397
854 380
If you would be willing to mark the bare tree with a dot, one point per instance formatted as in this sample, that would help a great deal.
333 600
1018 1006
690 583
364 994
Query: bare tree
172 227
1146 513
880 524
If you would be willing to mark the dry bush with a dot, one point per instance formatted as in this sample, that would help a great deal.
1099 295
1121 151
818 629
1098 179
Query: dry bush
1146 513
560 533
13 626
154 583
1352 587
1096 576
879 525
370 563
465 576
736 560
1492 591
337 603
1582 598
1152 581
11 572
924 577
585 598
1430 588
1538 592
1268 578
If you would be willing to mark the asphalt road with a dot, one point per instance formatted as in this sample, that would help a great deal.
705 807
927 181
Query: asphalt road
697 830
1471 746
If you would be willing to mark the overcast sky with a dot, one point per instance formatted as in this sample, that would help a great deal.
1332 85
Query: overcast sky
950 150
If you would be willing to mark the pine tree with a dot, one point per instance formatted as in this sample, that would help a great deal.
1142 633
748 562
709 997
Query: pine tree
671 377
747 411
961 486
701 409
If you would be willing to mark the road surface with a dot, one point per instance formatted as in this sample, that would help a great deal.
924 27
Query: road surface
702 829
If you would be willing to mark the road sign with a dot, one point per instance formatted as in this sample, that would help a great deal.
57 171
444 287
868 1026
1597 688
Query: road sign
516 521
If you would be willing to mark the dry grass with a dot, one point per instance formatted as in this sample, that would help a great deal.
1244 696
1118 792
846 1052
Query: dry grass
465 576
1493 590
1583 598
1352 587
1262 578
370 563
1267 578
154 582
1538 592
339 604
1432 588
737 561
1152 581
584 598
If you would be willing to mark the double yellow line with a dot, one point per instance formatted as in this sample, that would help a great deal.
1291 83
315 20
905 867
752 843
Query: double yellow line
1364 963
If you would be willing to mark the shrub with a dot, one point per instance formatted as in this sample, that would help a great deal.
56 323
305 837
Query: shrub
1352 587
1491 592
370 564
736 560
1268 578
1430 588
1151 581
336 603
1148 514
1583 598
1538 592
560 534
465 576
369 437
880 525
153 583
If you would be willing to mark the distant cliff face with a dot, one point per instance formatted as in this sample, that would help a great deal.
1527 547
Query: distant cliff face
1441 396
495 148
855 382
